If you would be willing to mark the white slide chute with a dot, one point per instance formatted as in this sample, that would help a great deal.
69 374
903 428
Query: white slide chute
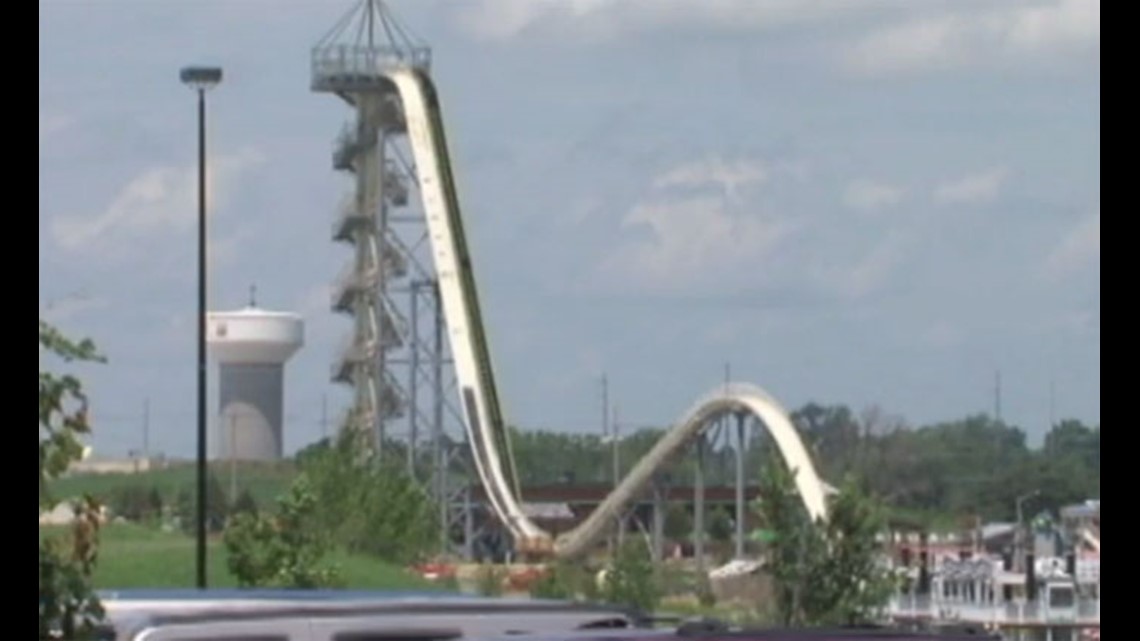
486 428
1091 540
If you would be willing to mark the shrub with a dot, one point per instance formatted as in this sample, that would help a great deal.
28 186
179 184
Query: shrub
631 580
489 580
283 549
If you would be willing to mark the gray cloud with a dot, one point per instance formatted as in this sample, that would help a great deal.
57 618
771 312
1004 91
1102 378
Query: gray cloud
157 199
53 124
972 189
876 36
593 20
971 36
869 195
1079 248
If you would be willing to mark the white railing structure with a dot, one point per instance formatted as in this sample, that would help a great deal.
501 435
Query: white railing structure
981 591
1082 612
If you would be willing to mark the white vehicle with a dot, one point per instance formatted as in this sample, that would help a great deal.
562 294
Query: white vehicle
335 615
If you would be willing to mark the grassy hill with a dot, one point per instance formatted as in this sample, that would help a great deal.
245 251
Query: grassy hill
265 481
136 556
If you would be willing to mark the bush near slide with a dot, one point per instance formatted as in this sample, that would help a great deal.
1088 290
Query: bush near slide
282 549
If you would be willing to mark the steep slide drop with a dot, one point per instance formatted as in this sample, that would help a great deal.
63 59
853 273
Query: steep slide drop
486 428
1090 539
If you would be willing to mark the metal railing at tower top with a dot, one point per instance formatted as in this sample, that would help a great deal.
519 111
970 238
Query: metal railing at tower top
339 61
366 39
366 61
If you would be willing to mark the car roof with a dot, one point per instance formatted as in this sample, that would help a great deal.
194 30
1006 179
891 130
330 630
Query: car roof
290 594
715 631
136 609
273 600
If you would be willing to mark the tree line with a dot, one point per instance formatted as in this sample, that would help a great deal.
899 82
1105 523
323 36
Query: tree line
973 467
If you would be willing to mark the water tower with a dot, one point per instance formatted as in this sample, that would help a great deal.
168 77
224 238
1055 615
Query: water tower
251 346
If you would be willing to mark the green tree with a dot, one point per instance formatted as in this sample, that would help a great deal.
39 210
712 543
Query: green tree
631 580
129 502
69 607
720 524
245 503
306 454
368 507
1072 455
678 522
796 544
565 580
136 503
858 583
825 573
283 549
489 580
183 510
154 504
217 505
832 433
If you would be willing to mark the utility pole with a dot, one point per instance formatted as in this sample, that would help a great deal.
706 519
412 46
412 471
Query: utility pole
146 431
997 396
1020 536
1052 403
233 458
324 416
615 449
610 543
740 508
606 410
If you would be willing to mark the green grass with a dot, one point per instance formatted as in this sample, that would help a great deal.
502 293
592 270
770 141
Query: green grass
929 519
136 556
265 481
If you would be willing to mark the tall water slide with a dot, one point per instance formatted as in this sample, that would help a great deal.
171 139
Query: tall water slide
1090 539
486 427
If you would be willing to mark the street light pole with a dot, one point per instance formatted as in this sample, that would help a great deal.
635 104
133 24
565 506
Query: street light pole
1020 538
201 79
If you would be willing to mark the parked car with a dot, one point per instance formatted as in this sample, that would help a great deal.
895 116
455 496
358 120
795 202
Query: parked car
333 615
705 630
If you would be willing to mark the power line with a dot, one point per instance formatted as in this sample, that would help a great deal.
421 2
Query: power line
1052 403
997 396
324 416
146 428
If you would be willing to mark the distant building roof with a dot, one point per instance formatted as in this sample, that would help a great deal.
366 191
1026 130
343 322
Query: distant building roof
61 514
994 530
1081 510
548 511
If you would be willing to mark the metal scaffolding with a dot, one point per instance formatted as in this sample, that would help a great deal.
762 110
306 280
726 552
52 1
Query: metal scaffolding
396 358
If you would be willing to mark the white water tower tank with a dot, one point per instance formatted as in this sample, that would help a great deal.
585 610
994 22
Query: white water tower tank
251 346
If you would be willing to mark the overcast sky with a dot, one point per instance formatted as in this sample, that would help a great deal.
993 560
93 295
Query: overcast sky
870 202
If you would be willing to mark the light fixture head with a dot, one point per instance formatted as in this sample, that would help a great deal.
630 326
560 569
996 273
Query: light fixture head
201 78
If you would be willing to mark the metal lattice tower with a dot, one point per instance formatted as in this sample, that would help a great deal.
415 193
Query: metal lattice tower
396 358
349 61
